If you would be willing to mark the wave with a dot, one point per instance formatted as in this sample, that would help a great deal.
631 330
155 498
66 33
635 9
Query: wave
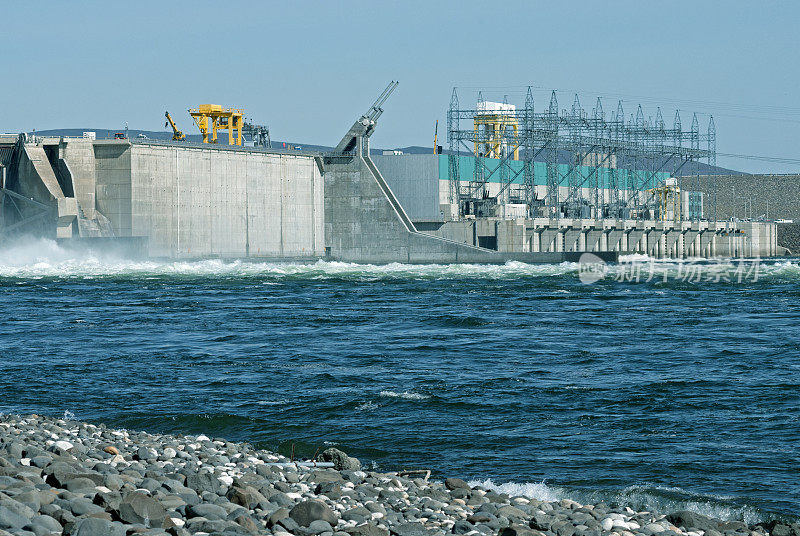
533 490
407 395
666 499
652 498
44 258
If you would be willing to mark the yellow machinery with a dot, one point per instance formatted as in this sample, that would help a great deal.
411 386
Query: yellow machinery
212 117
668 200
492 122
177 135
436 137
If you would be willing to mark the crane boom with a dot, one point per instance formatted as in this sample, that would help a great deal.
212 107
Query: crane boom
177 135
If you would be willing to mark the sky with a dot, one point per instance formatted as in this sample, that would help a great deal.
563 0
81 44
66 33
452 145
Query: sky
309 69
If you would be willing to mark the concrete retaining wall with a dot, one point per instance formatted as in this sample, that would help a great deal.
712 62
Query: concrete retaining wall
198 202
414 179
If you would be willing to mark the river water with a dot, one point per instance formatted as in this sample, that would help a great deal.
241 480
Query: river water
648 387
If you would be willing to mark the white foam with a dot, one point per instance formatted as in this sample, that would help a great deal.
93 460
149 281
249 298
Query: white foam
407 395
37 258
41 258
636 257
272 402
664 499
533 490
652 498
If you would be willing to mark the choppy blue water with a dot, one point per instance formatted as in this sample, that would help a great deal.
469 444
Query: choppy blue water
657 394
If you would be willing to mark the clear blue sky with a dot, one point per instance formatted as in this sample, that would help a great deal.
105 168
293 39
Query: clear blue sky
308 69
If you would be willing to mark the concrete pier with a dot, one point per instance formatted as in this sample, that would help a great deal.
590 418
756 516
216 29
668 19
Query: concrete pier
654 238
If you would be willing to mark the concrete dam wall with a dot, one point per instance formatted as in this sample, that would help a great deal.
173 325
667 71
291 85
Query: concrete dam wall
182 201
194 202
185 201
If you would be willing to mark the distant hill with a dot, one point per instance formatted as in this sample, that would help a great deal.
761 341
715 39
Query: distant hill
564 157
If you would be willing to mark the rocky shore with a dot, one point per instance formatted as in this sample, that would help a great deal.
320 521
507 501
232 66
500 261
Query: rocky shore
71 478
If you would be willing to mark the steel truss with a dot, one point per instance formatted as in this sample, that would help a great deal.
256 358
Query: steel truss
596 167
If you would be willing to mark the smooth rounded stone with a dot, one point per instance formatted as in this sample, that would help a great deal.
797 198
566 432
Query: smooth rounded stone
248 524
9 519
689 520
171 502
83 506
497 498
18 508
319 526
341 461
517 530
49 509
456 483
247 496
277 515
321 476
281 499
41 461
607 524
93 526
290 525
511 512
739 526
332 490
655 528
62 446
46 522
150 484
460 493
139 508
79 485
201 524
367 529
375 507
481 517
206 510
410 529
108 501
462 527
31 499
201 482
358 514
63 516
563 528
283 487
306 512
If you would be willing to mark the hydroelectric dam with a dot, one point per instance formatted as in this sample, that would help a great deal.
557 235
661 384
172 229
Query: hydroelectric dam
181 200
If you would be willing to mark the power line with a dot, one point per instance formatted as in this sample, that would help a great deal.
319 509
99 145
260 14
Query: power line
774 159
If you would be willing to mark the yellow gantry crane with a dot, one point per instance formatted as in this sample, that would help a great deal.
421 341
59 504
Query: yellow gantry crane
668 200
177 135
495 124
212 117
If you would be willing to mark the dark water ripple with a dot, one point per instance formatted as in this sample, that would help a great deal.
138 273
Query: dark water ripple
651 393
